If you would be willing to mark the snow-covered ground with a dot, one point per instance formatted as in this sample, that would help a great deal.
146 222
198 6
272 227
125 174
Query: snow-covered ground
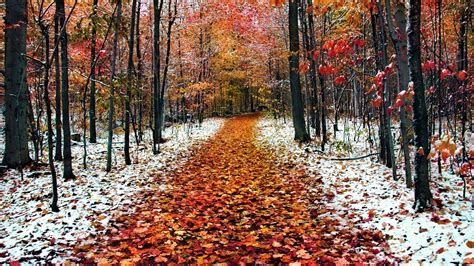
363 193
29 231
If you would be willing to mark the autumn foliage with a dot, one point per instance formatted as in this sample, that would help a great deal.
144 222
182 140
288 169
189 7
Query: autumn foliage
232 203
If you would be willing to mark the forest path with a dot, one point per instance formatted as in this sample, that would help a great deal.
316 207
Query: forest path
231 203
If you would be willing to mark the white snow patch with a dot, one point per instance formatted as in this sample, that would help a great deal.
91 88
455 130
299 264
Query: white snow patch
363 187
29 231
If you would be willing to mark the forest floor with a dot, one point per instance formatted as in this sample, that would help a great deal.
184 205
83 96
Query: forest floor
232 203
235 191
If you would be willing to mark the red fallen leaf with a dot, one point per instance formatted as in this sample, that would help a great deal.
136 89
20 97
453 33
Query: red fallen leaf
371 213
457 222
441 250
443 221
451 243
470 244
161 259
422 230
468 261
465 168
434 217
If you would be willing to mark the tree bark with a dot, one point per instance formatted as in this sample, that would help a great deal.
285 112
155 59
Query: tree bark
157 7
128 110
16 97
400 45
112 86
295 86
67 165
47 68
58 155
92 109
423 194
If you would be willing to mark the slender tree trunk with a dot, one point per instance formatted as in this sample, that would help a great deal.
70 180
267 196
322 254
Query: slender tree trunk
422 189
58 155
92 109
391 162
139 75
157 7
312 71
400 45
463 65
112 86
47 68
128 97
16 90
67 171
296 98
171 19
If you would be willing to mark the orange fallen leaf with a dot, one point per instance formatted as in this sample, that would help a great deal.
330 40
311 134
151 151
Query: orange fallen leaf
470 244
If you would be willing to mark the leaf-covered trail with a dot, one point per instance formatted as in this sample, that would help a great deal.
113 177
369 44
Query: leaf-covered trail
232 203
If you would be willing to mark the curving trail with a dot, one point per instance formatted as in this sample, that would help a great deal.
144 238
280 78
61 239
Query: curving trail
232 203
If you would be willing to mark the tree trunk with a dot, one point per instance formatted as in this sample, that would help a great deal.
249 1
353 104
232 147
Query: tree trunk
67 169
16 90
128 97
161 109
92 117
422 190
112 87
316 121
391 162
58 155
157 7
296 98
400 45
139 75
47 68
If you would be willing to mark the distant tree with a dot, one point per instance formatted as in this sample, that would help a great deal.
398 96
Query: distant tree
422 190
16 89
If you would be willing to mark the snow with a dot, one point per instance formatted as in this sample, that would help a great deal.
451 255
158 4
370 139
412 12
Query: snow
365 194
29 231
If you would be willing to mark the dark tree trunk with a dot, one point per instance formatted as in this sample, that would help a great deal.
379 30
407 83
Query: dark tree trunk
463 65
16 89
316 121
157 7
422 190
139 75
112 86
58 155
67 171
47 68
128 110
296 98
92 109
